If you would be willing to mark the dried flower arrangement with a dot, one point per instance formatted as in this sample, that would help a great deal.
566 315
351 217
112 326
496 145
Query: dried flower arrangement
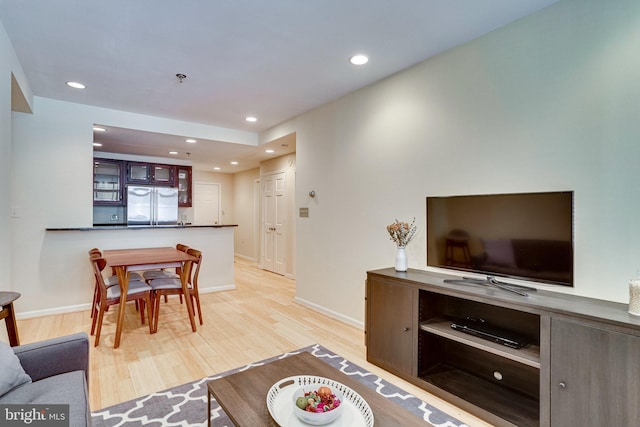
402 232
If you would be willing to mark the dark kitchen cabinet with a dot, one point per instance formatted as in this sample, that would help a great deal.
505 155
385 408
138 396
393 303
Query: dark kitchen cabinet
107 182
163 175
184 186
151 174
138 173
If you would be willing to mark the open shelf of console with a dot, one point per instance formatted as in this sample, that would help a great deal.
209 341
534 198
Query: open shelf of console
502 380
527 355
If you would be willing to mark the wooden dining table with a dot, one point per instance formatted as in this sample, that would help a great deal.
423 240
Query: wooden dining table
124 261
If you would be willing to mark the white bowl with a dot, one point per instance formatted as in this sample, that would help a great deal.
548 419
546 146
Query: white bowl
316 418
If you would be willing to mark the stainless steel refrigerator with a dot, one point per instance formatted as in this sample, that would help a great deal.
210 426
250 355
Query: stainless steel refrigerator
152 205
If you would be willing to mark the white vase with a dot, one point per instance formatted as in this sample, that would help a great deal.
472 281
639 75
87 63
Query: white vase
634 297
401 259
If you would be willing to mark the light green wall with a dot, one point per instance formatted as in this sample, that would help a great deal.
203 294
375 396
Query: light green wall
547 103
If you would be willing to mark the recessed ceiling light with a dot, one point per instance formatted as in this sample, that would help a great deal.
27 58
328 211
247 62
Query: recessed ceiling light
217 168
251 119
359 59
76 85
234 163
173 152
191 140
99 129
269 150
97 144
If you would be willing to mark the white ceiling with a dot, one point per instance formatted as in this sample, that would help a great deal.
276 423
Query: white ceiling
270 59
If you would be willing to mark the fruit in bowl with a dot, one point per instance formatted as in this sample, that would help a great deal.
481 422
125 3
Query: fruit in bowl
317 404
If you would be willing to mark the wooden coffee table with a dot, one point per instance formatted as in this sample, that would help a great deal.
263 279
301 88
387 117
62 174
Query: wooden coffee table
243 395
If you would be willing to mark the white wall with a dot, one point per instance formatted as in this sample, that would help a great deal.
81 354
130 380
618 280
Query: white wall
548 103
10 70
245 211
6 52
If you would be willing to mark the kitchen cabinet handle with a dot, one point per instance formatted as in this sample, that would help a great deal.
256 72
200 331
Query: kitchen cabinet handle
562 384
406 329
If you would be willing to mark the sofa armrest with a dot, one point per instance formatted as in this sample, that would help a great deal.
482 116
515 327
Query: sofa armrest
55 356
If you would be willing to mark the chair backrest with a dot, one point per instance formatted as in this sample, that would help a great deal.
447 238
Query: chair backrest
98 263
193 274
95 251
181 247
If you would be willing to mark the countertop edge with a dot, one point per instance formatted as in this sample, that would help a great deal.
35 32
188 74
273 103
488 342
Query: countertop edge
141 227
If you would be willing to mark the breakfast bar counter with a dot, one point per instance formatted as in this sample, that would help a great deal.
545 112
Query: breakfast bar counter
64 272
139 227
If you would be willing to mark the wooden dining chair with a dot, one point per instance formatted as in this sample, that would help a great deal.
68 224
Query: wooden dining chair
172 286
109 281
165 274
138 291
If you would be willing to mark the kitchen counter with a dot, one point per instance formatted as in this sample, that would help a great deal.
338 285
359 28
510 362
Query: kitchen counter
138 227
64 265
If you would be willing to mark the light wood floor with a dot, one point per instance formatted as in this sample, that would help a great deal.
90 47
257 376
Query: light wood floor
258 320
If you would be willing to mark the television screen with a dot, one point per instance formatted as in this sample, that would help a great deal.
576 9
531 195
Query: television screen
526 236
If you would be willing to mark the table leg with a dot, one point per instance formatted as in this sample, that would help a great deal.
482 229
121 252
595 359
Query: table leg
10 322
185 290
123 279
208 406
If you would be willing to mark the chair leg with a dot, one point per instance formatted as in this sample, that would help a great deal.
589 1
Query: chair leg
196 297
149 312
95 301
141 308
100 316
156 309
95 318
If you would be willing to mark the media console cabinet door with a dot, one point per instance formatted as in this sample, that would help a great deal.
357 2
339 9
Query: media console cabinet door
391 326
594 376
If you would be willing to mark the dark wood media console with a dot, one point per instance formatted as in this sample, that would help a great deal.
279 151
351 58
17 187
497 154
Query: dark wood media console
579 366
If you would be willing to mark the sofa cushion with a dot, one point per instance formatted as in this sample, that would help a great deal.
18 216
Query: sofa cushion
11 374
68 388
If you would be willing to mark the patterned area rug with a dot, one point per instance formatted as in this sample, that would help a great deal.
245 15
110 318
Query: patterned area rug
186 405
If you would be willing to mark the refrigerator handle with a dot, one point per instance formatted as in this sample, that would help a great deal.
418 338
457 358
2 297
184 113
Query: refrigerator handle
152 203
154 207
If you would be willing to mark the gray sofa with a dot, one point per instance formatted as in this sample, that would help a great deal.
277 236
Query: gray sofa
59 371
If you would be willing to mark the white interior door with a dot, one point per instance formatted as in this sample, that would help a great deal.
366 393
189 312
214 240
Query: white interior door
274 196
206 203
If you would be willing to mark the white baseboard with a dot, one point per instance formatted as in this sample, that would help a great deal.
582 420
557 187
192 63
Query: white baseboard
217 289
87 306
320 309
52 311
245 257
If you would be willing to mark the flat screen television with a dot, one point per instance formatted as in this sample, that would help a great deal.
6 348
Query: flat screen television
526 236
